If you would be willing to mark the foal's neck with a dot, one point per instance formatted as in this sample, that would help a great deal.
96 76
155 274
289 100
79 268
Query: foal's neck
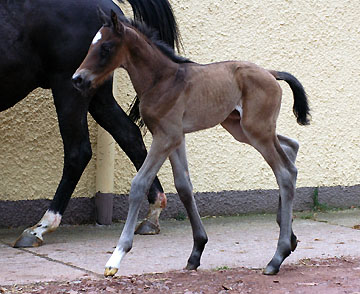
147 66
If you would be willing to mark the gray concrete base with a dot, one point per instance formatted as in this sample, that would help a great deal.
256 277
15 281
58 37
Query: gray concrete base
82 210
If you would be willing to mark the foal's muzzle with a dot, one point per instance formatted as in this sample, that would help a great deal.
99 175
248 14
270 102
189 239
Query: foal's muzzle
81 82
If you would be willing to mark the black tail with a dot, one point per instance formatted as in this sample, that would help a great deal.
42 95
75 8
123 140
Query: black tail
159 15
301 106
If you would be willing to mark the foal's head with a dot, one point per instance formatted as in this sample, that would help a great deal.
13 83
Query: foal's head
104 54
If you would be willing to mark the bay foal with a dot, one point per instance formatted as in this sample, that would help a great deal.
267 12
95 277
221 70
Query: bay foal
179 97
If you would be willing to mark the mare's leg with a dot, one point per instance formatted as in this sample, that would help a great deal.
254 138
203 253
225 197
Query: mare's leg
160 148
184 188
71 110
113 119
267 143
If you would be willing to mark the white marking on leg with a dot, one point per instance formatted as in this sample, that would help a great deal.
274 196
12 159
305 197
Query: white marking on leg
115 259
49 222
97 37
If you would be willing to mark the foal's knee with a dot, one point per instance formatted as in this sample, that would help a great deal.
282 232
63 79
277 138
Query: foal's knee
138 190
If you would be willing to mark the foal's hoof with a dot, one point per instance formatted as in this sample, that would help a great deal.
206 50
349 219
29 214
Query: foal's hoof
270 270
27 239
147 228
110 271
191 267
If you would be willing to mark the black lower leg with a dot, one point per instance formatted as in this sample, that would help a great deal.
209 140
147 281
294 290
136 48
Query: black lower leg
71 110
199 234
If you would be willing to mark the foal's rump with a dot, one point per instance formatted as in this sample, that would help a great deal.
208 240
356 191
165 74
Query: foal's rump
257 81
214 91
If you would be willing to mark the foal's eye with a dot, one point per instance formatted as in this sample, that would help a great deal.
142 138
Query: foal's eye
105 49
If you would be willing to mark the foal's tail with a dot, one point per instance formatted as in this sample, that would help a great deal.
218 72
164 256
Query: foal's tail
301 106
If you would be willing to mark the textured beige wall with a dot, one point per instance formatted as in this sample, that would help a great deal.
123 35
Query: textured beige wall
31 151
317 41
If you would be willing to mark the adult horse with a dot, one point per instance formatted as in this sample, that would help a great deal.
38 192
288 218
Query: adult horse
42 44
179 97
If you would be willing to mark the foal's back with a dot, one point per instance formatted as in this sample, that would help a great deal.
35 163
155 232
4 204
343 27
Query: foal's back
213 91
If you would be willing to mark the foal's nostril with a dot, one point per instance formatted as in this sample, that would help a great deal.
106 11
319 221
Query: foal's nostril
77 81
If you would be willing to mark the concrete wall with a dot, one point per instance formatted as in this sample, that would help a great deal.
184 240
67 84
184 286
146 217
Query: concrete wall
317 41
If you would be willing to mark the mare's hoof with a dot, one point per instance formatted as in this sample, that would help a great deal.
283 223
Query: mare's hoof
27 239
270 271
147 228
110 271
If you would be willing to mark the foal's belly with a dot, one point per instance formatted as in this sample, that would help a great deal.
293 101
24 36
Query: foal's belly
210 95
207 113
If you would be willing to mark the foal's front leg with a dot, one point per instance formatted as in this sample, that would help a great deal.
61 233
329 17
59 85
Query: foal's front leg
184 188
159 151
107 113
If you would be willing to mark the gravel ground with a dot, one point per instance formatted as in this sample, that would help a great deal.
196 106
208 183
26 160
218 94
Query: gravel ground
328 276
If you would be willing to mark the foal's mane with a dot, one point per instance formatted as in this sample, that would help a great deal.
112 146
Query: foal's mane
153 36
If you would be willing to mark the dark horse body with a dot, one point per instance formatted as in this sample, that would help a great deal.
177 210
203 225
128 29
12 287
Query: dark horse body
42 44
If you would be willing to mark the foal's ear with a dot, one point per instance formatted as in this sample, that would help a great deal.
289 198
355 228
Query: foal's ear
119 27
103 17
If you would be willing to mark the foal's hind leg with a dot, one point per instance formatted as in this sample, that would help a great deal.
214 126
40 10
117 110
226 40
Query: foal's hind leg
285 172
290 147
184 188
113 119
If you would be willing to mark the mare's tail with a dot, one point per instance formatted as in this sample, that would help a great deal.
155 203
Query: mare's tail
301 106
159 15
